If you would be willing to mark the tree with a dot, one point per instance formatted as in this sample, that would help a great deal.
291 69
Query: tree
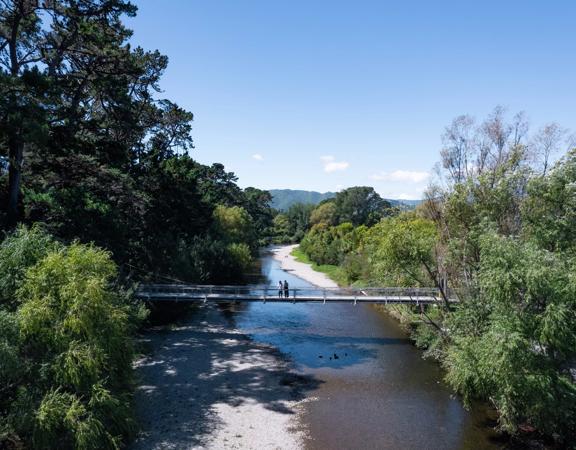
234 225
52 54
547 142
324 213
299 217
360 206
514 341
402 250
65 345
549 210
282 228
459 148
257 204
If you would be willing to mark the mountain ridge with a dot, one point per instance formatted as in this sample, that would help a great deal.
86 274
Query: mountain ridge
282 199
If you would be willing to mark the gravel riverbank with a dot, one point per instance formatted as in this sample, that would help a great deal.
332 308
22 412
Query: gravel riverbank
205 385
299 269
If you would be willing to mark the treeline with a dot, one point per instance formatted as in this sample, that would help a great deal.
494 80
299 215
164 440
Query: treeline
97 190
359 205
91 151
498 231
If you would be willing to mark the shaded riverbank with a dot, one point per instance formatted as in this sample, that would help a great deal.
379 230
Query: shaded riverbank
206 385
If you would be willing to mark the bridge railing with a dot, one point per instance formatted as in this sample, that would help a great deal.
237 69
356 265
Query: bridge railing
271 292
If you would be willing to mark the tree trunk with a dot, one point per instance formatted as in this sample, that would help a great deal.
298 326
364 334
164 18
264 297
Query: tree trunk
16 148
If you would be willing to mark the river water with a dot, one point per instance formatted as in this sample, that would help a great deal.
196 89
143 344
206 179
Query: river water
378 393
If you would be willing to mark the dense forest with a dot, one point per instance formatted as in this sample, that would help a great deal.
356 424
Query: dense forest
98 190
497 231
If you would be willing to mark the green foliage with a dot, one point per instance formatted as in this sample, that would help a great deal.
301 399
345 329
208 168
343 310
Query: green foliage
233 224
66 352
401 251
360 206
257 204
282 229
11 369
325 213
241 255
518 350
292 225
550 208
299 219
19 251
330 245
334 272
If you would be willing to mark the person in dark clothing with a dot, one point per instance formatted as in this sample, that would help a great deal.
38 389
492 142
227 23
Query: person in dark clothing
280 289
286 290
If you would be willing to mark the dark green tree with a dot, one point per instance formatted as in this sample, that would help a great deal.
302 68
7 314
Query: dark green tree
360 205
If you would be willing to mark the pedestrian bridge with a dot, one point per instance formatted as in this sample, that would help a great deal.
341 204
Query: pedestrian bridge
272 294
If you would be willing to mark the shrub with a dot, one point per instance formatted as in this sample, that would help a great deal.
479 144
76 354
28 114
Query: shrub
19 251
66 352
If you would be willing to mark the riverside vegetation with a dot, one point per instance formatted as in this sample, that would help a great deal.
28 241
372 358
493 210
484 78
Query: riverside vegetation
98 192
499 225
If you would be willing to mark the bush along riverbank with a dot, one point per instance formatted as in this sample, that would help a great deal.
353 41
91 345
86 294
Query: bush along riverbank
66 346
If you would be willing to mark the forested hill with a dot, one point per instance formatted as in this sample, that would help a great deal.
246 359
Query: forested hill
282 199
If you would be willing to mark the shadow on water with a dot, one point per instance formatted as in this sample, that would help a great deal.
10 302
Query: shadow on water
199 365
336 352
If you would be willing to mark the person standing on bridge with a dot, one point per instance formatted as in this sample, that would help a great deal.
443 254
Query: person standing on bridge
280 289
286 290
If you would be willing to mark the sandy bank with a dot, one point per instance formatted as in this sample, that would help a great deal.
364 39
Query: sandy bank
206 385
301 270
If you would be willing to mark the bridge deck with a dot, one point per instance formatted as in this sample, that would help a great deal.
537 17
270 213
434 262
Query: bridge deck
210 293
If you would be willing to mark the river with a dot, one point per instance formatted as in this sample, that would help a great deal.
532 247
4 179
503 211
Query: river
379 393
290 376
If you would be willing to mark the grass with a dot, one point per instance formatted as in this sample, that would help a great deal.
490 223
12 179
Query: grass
335 273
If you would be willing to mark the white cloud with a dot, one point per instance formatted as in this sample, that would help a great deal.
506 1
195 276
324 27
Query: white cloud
331 165
406 176
258 157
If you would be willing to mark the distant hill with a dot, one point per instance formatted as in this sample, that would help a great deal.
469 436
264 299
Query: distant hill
282 199
410 203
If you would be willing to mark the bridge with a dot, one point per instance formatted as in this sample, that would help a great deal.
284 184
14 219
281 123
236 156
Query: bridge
271 294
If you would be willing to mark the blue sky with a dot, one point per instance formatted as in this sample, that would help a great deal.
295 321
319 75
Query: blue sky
323 95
